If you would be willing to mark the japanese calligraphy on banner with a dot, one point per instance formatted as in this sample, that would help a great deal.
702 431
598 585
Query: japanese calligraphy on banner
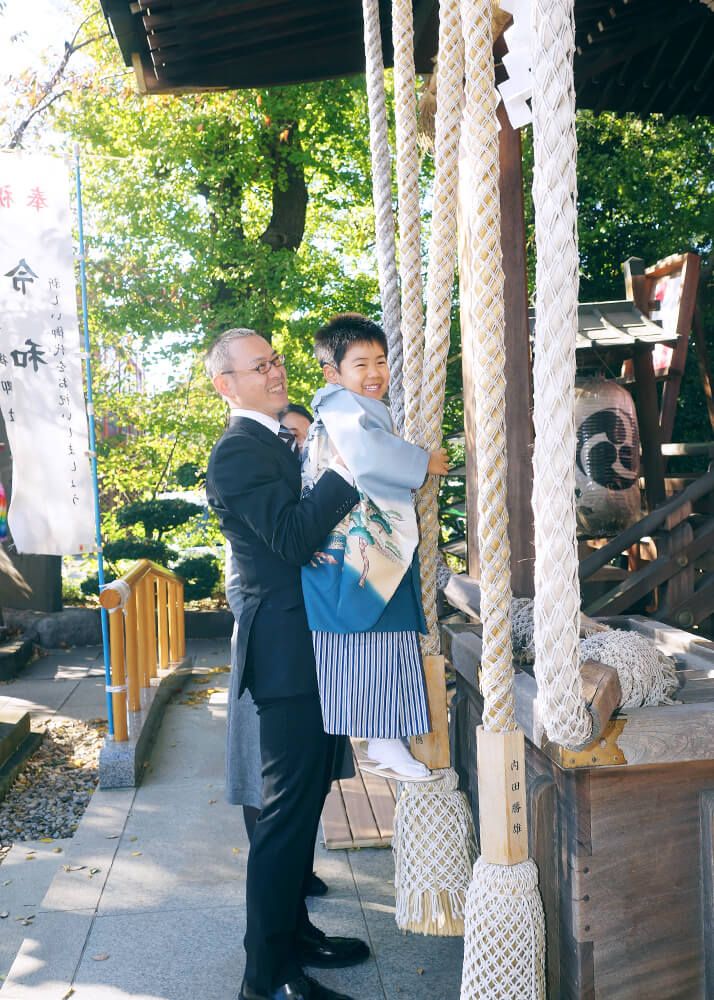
41 388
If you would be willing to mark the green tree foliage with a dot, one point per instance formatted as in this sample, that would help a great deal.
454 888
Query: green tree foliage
253 208
645 189
202 212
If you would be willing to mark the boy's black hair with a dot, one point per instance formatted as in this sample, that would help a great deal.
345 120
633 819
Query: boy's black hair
296 408
333 339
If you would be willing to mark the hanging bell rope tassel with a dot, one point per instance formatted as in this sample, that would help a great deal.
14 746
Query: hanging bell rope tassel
434 842
504 947
434 851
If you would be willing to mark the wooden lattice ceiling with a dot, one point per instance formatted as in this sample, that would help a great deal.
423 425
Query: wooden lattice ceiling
632 55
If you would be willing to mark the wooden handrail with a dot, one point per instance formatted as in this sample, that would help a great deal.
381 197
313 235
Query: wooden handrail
110 596
149 637
646 526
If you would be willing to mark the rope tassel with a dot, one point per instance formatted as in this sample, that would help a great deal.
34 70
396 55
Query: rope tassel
504 947
434 842
503 905
434 848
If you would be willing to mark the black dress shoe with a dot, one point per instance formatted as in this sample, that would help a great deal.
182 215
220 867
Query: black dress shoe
320 992
300 988
315 886
317 949
297 989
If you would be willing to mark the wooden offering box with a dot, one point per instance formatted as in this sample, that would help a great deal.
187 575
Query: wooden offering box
622 833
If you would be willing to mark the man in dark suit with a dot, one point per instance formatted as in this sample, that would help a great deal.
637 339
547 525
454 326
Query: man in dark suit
253 484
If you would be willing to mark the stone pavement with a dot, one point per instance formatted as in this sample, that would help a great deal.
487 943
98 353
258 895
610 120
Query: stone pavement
152 907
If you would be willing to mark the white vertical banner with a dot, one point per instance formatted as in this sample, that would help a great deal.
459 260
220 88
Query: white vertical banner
41 389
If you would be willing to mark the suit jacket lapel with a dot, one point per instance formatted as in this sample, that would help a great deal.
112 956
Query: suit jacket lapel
258 431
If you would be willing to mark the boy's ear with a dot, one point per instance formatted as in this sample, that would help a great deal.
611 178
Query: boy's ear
330 374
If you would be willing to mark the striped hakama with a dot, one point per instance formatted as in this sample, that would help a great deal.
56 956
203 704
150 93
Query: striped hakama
371 684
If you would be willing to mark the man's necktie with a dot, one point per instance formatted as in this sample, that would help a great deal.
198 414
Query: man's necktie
288 438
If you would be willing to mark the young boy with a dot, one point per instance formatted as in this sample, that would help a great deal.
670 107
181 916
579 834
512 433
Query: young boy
362 590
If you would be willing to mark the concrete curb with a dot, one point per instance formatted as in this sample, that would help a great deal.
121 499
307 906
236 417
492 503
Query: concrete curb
17 743
121 765
14 654
82 626
68 910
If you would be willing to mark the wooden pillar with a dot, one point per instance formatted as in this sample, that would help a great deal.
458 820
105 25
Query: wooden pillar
174 637
687 305
150 628
132 654
118 671
181 620
647 406
519 401
162 588
646 402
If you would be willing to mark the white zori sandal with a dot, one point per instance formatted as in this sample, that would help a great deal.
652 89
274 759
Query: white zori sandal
391 759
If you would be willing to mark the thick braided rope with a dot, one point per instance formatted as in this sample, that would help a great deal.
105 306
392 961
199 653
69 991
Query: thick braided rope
405 112
434 829
557 592
440 281
482 257
504 947
383 212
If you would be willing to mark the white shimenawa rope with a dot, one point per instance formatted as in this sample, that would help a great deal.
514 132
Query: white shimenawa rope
440 282
481 246
383 212
504 946
407 160
557 591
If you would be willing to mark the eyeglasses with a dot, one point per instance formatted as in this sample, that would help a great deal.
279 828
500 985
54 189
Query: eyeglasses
260 369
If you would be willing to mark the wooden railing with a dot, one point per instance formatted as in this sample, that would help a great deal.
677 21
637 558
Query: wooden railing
678 572
147 638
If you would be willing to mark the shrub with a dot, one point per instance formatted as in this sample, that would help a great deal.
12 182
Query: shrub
201 575
157 515
189 475
139 548
90 585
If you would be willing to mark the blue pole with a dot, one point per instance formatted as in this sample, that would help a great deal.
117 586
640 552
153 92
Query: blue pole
93 442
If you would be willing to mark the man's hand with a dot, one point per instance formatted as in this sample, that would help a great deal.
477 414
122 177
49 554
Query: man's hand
438 463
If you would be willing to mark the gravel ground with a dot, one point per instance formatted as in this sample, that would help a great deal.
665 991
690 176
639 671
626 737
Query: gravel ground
50 794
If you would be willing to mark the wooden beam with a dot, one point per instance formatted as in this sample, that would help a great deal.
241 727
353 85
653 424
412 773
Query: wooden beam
699 488
647 406
233 43
685 316
191 29
705 372
651 31
653 574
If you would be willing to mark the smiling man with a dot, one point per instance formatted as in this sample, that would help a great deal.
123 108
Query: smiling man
253 484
